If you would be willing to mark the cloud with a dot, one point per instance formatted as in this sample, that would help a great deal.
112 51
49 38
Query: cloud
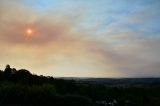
133 54
60 47
56 44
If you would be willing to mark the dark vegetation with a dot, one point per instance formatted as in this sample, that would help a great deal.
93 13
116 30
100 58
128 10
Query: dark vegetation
21 88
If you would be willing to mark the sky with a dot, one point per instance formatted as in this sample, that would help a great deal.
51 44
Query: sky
81 38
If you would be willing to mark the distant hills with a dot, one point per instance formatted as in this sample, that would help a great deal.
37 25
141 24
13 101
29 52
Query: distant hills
117 81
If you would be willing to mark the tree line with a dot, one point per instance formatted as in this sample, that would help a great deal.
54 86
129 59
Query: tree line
22 88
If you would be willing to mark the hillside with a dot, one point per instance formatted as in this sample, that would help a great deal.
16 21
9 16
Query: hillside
22 88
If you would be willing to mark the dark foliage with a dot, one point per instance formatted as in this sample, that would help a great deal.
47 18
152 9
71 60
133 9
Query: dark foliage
21 88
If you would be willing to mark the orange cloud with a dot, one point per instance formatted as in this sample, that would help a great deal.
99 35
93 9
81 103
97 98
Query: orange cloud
56 45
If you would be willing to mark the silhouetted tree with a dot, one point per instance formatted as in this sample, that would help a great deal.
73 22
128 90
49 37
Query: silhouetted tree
21 88
23 72
7 69
13 70
1 74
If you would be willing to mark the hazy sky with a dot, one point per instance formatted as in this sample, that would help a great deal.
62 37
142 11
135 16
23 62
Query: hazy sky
81 38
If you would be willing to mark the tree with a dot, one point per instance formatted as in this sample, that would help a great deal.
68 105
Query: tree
24 71
7 70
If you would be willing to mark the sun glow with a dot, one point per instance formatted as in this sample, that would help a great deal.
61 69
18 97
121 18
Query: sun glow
29 31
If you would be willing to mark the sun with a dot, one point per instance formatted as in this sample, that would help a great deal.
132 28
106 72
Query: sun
29 32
